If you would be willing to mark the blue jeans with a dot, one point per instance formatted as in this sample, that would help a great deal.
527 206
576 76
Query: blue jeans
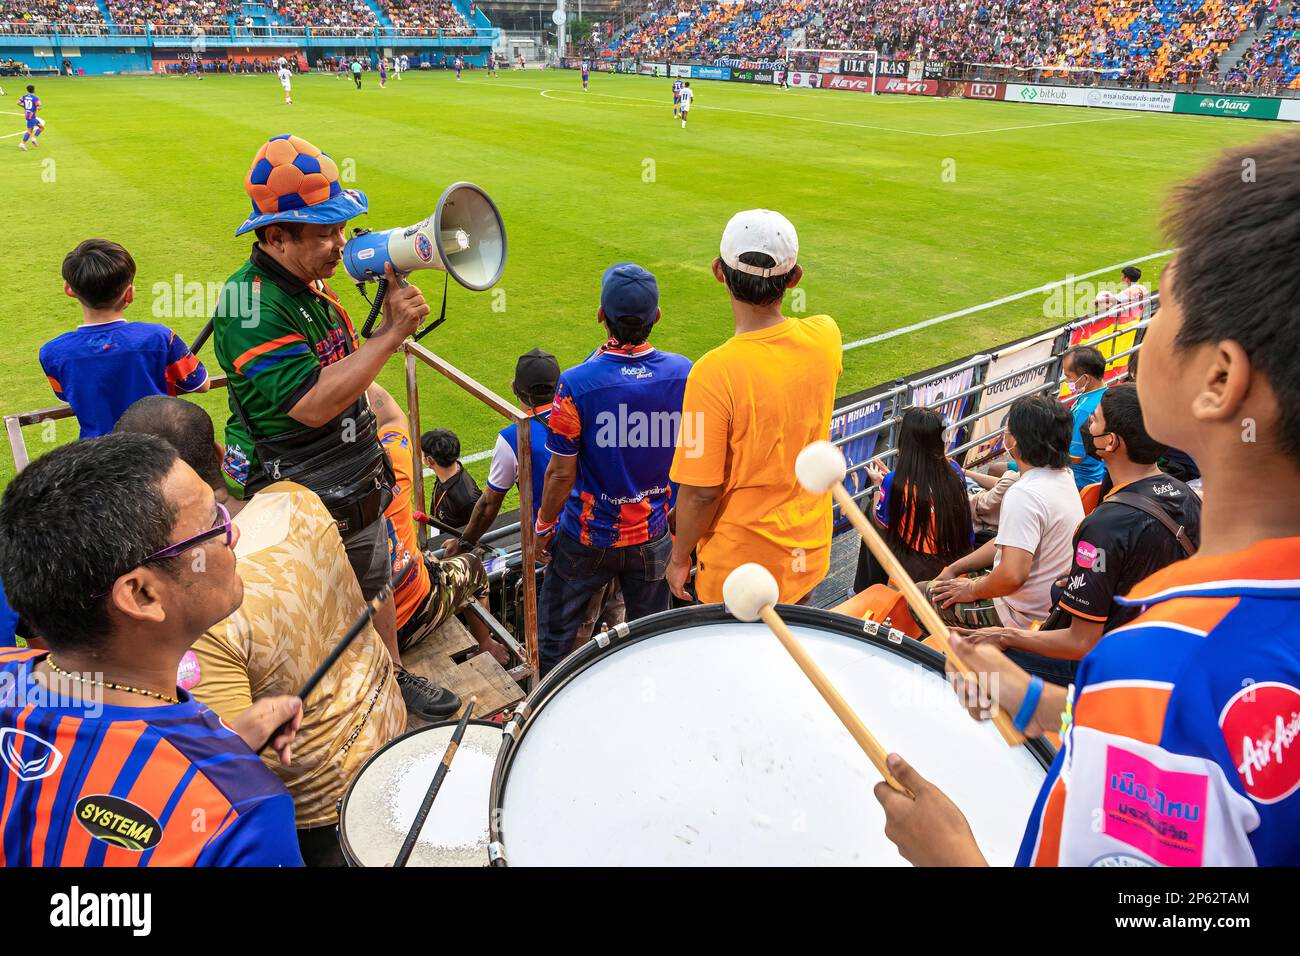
1054 670
577 571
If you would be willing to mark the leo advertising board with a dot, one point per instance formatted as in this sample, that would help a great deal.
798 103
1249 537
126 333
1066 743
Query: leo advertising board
984 91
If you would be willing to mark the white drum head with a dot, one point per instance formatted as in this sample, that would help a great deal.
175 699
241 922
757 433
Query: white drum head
706 745
385 796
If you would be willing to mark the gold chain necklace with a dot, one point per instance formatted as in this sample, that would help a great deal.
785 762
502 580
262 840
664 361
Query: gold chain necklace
109 684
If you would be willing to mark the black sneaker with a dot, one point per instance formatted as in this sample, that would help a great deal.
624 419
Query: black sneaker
424 698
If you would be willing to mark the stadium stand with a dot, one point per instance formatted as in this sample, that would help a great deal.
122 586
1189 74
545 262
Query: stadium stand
344 15
35 16
170 16
1272 61
426 15
1141 41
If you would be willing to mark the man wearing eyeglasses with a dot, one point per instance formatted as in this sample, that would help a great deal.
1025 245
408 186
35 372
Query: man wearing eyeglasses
118 556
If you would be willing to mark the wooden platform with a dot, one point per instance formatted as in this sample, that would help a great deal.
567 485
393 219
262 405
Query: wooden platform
450 657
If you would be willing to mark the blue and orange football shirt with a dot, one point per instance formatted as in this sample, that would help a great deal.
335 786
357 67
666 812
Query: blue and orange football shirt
130 786
1183 747
619 412
100 370
30 103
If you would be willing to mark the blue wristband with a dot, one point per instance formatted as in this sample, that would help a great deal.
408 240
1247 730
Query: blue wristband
1033 694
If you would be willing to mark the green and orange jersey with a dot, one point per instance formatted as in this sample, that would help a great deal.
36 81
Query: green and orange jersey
272 334
87 784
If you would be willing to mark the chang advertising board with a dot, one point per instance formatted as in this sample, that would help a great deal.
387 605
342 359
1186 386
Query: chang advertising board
710 73
1249 107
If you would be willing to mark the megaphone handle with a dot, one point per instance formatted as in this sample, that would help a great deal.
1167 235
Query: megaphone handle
442 316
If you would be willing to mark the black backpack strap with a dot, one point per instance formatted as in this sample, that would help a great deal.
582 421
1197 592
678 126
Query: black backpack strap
1146 506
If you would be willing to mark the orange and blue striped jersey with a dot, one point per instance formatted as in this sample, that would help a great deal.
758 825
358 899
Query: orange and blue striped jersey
85 784
1183 742
100 370
619 412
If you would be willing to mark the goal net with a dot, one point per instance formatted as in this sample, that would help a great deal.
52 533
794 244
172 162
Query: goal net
861 63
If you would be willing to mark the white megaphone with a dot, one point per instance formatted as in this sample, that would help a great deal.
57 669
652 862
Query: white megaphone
464 238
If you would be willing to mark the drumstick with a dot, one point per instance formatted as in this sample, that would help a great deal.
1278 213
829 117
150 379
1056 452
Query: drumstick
820 467
344 643
750 592
413 834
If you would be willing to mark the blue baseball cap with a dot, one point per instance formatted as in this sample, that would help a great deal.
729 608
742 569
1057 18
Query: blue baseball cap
628 291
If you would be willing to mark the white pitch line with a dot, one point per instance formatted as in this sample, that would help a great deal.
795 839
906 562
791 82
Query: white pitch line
908 329
1004 129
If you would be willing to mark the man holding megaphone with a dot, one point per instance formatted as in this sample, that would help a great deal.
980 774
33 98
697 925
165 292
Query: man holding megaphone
299 373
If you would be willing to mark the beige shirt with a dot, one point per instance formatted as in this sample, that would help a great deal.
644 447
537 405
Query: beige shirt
300 596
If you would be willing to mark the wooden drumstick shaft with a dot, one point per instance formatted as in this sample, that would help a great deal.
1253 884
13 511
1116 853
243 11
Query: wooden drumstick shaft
920 604
851 721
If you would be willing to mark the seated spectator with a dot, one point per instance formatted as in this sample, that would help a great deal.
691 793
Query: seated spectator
429 591
300 597
924 539
107 363
455 492
1084 371
613 430
1120 544
1038 517
536 375
145 563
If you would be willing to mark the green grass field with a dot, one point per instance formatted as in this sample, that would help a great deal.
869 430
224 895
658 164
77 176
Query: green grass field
907 208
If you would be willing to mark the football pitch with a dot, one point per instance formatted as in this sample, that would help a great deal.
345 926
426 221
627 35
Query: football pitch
908 208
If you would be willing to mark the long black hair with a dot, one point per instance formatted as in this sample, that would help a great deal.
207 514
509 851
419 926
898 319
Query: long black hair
923 474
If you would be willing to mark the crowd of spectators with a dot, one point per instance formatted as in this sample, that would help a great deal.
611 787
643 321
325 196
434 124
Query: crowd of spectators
426 15
36 16
1015 31
1272 61
171 16
349 15
1139 41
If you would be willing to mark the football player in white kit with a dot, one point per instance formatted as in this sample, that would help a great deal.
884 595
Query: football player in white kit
285 77
687 97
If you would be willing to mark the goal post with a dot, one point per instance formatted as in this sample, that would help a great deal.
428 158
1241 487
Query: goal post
812 60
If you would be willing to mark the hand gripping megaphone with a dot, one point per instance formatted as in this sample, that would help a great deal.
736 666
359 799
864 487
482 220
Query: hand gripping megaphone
464 238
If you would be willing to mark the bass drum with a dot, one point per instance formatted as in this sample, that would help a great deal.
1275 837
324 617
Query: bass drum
689 738
383 798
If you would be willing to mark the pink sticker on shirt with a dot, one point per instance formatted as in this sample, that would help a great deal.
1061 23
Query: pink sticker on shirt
188 672
1085 555
1160 812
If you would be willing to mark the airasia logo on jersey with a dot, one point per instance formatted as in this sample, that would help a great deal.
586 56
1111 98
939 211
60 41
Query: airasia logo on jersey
1260 724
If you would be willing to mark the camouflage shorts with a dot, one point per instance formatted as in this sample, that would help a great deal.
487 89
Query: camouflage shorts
455 582
975 615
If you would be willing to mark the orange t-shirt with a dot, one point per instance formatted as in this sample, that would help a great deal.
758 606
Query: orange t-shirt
410 592
751 405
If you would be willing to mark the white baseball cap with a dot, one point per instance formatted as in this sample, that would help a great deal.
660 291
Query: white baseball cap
760 230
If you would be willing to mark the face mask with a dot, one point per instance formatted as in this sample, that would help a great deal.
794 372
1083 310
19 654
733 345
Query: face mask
1090 442
1073 387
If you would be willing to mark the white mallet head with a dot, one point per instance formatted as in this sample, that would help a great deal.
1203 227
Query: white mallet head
820 467
748 590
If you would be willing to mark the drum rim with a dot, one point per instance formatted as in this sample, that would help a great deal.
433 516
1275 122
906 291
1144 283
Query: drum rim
348 854
682 618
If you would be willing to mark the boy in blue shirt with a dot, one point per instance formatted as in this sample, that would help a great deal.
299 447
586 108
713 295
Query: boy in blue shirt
107 363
